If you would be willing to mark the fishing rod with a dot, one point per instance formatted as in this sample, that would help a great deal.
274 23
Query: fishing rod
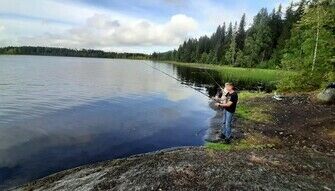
213 79
178 80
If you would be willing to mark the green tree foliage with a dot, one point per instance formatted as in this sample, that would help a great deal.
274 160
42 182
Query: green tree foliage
257 44
276 27
204 57
49 51
292 15
310 50
211 59
301 39
241 34
219 46
231 52
261 45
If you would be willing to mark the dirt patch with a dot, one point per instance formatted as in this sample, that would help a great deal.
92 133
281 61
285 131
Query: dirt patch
298 122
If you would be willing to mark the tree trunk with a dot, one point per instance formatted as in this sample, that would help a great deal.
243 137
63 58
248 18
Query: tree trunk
263 56
232 57
317 39
233 51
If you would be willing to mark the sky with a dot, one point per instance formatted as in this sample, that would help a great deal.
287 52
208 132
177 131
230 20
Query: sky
119 25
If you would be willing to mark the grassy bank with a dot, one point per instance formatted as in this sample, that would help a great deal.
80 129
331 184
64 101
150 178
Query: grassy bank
249 78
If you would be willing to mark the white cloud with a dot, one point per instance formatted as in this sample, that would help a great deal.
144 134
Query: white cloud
62 11
64 24
76 25
101 31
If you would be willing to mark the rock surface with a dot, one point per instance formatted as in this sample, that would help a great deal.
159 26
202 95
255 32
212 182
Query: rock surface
327 96
200 169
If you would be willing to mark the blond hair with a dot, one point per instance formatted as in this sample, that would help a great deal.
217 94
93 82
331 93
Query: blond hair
229 84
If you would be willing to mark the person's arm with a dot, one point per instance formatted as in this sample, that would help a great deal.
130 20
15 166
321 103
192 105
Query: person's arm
228 104
233 99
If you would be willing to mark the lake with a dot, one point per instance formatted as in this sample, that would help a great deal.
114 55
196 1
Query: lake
61 112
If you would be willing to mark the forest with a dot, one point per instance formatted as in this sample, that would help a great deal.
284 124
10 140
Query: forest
51 51
299 39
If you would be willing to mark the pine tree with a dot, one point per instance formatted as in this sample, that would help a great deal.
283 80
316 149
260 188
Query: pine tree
276 27
258 40
203 46
241 34
231 52
219 48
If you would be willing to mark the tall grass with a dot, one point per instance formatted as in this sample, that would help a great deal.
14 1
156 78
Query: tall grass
245 78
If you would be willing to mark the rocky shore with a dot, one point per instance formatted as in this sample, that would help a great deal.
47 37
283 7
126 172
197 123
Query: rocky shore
289 147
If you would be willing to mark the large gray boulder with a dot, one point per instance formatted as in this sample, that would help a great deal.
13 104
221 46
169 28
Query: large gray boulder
327 95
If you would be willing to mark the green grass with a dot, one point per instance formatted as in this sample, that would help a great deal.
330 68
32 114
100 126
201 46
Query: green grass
248 95
229 71
253 141
248 78
242 145
251 112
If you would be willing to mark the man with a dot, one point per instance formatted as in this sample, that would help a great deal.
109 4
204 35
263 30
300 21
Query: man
230 107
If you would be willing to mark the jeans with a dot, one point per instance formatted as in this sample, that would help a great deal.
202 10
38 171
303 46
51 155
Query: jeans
228 118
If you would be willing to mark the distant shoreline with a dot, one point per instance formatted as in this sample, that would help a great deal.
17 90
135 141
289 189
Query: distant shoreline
67 52
70 56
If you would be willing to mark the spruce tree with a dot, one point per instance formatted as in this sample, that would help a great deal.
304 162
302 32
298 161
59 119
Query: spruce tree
231 52
241 34
258 40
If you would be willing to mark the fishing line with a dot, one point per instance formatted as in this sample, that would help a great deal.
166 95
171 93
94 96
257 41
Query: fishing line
198 132
213 79
177 80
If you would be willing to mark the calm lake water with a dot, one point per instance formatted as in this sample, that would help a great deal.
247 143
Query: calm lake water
61 112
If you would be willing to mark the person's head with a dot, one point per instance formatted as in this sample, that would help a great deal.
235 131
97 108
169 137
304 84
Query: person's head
229 86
